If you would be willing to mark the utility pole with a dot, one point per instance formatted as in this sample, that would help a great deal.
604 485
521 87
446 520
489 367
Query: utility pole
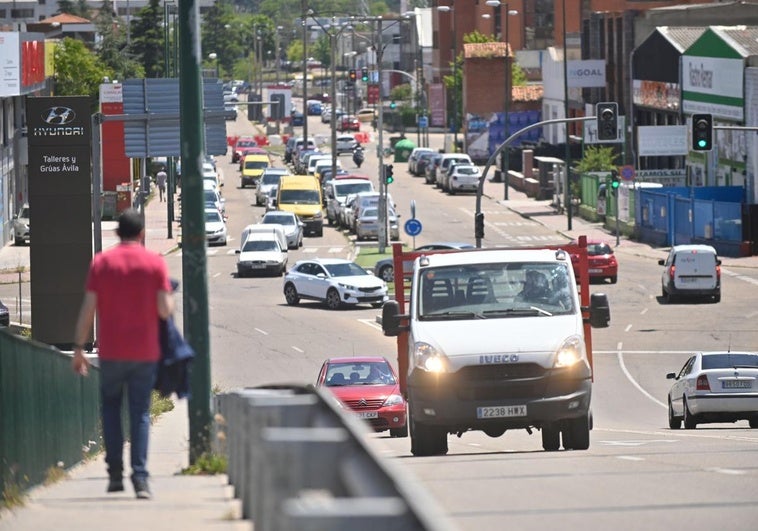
380 144
304 5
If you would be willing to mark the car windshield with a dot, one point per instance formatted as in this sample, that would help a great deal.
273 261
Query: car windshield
352 188
246 143
260 245
213 216
24 212
300 197
210 196
271 178
367 373
489 291
467 170
728 360
597 249
279 219
255 164
348 269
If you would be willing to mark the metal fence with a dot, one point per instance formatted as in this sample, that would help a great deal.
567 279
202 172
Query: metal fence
48 414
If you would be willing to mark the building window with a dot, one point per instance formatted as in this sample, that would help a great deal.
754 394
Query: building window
22 13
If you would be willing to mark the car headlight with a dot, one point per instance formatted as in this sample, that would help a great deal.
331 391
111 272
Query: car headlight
347 286
393 400
429 359
570 352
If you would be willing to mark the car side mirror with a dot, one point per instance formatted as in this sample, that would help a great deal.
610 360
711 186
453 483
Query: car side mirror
661 262
671 376
718 262
238 251
321 275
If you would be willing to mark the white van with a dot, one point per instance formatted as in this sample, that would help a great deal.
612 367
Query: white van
691 271
270 228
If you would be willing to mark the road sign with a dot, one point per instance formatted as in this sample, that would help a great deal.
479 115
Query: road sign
413 227
627 172
423 122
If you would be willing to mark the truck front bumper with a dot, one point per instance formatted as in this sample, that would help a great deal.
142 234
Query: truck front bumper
460 403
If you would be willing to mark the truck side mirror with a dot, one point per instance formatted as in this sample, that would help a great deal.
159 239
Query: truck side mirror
391 318
600 312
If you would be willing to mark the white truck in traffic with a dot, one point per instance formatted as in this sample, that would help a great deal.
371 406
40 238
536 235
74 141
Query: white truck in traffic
494 340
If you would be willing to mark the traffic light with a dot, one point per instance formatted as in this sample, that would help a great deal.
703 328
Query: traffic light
702 132
615 181
364 74
393 104
479 225
352 75
389 176
607 120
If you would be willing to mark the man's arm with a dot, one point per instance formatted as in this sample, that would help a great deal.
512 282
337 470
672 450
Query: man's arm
81 333
165 304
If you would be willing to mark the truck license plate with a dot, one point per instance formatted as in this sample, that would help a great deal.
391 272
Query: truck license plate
494 412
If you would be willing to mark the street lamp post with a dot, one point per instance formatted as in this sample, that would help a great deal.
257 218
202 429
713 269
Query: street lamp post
508 91
451 10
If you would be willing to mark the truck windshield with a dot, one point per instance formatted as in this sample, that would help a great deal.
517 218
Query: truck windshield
490 291
300 197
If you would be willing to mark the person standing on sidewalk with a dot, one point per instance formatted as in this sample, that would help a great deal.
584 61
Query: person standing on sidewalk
160 181
128 287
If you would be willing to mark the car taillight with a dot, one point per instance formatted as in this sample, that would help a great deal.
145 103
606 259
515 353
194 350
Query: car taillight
702 383
718 272
671 271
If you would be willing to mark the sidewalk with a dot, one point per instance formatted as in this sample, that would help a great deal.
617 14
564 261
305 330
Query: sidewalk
179 501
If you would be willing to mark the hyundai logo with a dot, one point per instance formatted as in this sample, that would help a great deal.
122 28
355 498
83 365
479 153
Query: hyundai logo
59 115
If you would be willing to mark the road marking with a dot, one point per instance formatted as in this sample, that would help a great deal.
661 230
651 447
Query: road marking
261 331
679 434
644 311
216 275
636 442
371 322
618 345
631 379
630 458
297 349
628 327
310 249
727 471
336 249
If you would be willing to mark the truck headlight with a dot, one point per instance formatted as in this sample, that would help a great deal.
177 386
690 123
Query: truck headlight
570 352
429 359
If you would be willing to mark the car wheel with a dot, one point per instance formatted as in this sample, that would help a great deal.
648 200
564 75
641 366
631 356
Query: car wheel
670 298
18 241
399 432
427 440
333 301
241 273
689 419
576 436
451 191
613 279
387 273
377 304
290 294
674 422
551 438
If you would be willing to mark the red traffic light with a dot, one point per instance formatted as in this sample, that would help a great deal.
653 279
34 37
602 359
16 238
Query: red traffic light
352 75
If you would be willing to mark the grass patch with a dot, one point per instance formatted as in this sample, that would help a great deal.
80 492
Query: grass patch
54 474
159 405
209 463
13 491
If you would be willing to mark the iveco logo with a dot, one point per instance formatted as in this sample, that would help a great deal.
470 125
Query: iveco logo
362 402
59 115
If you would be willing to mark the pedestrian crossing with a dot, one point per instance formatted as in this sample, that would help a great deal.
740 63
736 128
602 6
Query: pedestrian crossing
310 250
500 233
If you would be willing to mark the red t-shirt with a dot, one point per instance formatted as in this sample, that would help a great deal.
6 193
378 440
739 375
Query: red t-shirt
126 280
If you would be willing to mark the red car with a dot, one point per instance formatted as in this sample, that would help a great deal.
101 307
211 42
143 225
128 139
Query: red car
368 386
349 123
602 261
240 146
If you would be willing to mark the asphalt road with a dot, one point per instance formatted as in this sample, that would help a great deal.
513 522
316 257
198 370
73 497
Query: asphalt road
637 474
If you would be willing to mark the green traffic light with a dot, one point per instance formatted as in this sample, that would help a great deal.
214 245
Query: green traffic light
702 143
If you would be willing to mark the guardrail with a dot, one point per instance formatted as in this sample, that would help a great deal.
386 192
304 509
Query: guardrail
297 460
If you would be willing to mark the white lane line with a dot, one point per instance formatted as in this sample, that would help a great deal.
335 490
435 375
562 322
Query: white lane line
336 249
614 352
297 349
644 311
618 346
629 377
261 331
727 471
628 327
372 323
216 275
680 434
310 250
630 458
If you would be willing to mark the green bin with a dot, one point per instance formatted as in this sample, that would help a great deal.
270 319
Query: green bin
403 150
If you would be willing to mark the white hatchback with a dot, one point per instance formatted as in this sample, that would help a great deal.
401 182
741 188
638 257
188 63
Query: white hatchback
714 387
215 227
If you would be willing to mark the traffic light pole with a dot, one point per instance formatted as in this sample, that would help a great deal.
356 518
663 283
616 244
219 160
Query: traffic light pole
479 235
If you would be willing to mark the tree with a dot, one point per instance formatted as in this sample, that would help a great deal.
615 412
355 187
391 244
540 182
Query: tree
148 39
111 50
78 71
597 158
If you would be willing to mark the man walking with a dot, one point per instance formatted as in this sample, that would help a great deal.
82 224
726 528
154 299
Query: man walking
160 181
128 288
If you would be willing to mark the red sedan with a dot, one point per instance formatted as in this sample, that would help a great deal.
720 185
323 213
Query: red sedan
240 146
349 123
602 261
369 387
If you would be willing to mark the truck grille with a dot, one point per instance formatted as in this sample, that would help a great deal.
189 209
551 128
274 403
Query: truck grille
506 371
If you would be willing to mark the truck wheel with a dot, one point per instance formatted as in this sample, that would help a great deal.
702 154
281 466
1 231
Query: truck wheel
576 436
551 438
427 440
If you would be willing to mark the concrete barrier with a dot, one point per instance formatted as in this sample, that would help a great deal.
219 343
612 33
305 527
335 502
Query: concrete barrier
298 460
